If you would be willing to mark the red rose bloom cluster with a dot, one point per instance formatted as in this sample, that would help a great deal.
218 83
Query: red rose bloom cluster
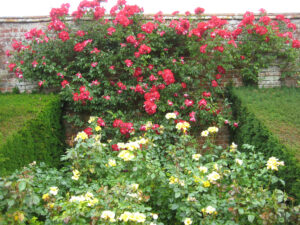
168 77
83 96
125 128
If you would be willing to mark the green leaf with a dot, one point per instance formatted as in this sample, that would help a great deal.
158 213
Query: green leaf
22 186
241 211
174 206
10 202
251 218
177 194
35 199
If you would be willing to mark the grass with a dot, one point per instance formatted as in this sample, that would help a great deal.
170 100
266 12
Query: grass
16 109
279 110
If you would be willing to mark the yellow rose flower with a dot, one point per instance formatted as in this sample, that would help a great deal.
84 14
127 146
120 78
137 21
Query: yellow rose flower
46 197
206 184
97 128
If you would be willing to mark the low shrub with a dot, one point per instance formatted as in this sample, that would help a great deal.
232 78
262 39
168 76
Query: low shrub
255 132
31 131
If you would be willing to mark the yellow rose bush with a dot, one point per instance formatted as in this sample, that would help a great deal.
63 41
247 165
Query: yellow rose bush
152 173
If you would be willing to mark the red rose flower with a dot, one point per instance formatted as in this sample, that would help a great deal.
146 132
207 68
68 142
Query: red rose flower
115 147
88 131
199 11
111 30
206 94
188 102
148 27
168 76
202 103
203 48
150 107
64 36
128 62
100 122
64 83
214 83
221 69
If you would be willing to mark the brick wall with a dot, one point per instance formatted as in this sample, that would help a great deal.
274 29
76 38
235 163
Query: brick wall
15 28
10 29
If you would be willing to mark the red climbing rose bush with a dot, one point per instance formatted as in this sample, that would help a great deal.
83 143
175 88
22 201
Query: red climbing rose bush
123 60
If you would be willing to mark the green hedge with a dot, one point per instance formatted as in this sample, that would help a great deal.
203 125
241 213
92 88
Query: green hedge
39 138
253 131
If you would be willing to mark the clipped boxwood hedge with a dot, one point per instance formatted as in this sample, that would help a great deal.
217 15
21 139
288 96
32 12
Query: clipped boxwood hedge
252 131
39 137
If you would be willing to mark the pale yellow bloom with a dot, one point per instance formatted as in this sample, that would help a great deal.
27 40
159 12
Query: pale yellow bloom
97 128
213 176
126 155
108 215
148 125
204 133
93 202
196 156
210 210
97 137
187 221
139 217
203 169
136 217
206 184
239 161
161 129
197 179
273 163
154 215
53 190
46 197
112 162
134 187
79 198
212 130
19 216
92 119
81 136
173 180
183 126
170 116
121 145
233 147
191 199
216 166
88 196
143 141
76 175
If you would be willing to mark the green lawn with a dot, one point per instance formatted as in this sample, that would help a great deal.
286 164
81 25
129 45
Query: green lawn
279 110
16 109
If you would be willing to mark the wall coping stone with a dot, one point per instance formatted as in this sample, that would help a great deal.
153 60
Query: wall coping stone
227 16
